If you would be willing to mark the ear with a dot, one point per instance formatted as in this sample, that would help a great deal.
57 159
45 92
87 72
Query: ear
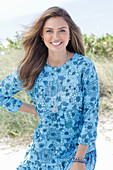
69 38
41 33
42 37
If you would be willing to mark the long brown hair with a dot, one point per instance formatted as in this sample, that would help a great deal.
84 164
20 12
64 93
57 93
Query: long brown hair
36 52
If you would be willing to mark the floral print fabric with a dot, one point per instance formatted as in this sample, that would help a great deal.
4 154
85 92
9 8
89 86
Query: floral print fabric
58 135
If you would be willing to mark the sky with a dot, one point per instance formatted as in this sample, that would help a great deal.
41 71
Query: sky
92 16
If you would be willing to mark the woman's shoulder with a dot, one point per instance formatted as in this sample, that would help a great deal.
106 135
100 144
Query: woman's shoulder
83 60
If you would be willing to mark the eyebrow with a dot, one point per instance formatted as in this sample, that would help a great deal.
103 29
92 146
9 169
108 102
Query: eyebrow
58 28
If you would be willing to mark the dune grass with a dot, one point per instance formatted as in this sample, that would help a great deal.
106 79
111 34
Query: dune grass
18 124
23 124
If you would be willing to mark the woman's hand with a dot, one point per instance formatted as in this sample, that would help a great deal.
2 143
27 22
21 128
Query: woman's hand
78 166
36 114
28 108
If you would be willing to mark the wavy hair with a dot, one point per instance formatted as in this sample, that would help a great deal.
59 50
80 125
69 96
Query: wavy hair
35 51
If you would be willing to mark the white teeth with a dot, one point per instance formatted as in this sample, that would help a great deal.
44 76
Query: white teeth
56 43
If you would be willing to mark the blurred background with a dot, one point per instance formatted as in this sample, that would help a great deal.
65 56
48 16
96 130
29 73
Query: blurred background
91 16
95 21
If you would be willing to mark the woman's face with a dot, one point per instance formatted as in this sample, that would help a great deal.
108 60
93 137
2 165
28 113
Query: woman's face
56 34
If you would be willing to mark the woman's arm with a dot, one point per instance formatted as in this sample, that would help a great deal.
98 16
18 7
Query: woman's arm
25 107
81 152
8 88
90 85
90 113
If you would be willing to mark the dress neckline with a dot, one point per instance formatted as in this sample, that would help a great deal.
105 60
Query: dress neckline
63 64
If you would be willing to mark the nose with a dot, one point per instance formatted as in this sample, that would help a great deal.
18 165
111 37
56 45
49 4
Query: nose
55 36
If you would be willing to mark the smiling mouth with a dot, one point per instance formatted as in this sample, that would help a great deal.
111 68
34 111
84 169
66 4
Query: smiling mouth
56 44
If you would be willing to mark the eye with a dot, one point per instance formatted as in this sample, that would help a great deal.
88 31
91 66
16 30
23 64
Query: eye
62 31
48 31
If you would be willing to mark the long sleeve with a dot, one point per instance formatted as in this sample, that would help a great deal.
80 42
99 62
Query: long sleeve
90 104
8 87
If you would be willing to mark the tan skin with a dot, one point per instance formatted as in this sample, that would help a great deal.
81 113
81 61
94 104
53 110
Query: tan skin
56 36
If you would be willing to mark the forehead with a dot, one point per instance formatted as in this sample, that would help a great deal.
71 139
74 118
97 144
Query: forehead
56 22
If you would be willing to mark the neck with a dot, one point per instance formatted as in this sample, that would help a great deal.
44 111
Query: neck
57 59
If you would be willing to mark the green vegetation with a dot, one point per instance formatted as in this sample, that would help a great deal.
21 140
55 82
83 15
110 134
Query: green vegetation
99 46
100 50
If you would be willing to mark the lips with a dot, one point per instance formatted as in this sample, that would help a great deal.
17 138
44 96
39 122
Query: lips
56 44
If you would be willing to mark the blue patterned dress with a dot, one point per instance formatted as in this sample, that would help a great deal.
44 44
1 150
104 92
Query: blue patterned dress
58 135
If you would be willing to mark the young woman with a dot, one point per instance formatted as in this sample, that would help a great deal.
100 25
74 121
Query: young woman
63 84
